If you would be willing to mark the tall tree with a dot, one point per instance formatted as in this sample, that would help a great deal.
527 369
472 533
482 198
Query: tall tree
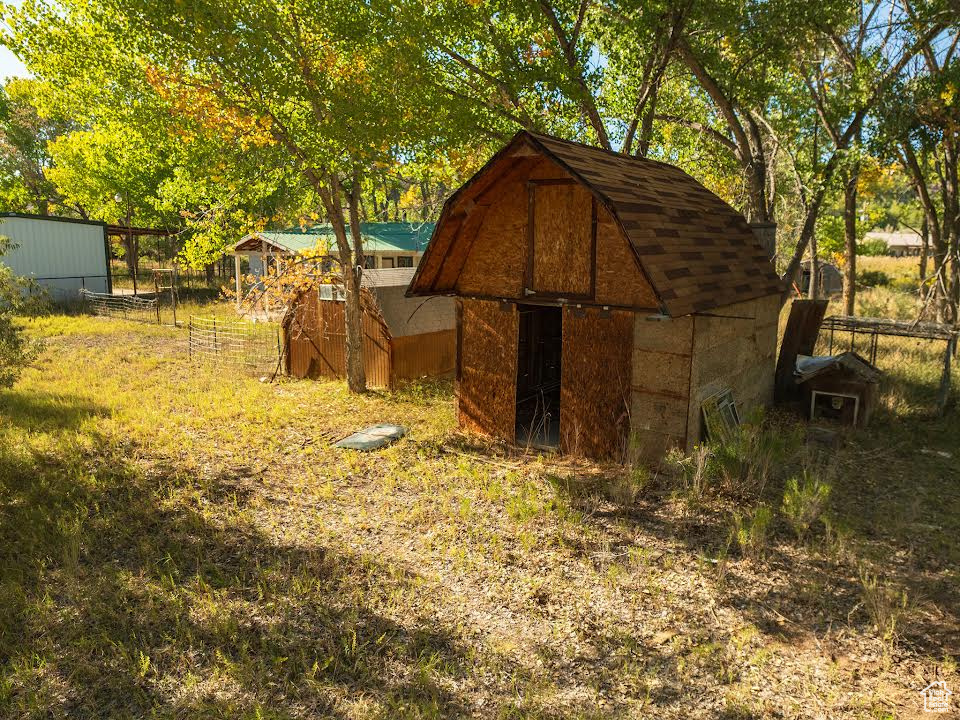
321 80
921 129
25 158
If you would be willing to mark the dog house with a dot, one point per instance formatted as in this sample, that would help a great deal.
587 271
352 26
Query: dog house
403 338
838 388
601 299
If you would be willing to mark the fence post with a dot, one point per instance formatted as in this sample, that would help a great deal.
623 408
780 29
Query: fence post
216 346
190 337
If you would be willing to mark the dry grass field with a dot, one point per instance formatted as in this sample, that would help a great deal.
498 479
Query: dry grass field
182 541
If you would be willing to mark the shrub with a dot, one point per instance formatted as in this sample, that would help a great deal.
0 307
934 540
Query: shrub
804 500
886 606
693 471
872 247
745 458
16 351
626 488
873 278
749 531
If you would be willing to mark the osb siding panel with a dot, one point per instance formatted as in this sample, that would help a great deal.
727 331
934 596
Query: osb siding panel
679 228
737 353
660 386
543 168
619 278
562 239
487 386
424 355
595 382
496 263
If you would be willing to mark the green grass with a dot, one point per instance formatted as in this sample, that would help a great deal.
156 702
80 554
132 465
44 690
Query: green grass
183 541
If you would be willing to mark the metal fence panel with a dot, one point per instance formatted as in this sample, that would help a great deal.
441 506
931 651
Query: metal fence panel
128 307
255 347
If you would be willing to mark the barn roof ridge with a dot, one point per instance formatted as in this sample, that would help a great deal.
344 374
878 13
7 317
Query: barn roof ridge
608 151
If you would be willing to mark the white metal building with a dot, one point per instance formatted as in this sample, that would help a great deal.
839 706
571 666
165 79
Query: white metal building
62 254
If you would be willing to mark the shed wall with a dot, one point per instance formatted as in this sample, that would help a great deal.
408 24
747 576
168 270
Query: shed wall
317 342
490 258
487 368
660 385
62 256
425 355
736 352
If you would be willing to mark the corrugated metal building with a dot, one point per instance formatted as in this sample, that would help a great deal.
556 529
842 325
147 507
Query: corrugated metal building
404 338
62 254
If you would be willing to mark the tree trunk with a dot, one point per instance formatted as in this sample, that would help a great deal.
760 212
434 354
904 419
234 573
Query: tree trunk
331 194
850 240
806 238
357 371
924 251
814 269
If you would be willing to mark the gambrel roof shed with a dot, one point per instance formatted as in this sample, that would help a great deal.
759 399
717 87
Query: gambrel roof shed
691 252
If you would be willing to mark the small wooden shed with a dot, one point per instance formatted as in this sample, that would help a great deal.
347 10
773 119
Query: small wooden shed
830 278
841 388
404 338
601 299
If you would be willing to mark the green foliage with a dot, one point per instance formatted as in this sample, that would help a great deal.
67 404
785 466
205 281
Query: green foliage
24 150
750 530
744 460
872 248
804 501
16 350
873 278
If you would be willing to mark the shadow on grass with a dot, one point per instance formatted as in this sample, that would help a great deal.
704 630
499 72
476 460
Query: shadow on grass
127 593
44 412
895 501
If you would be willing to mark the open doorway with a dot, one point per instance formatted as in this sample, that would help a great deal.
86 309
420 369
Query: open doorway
539 349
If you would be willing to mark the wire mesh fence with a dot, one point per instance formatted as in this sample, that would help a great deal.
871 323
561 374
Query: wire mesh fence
142 308
251 346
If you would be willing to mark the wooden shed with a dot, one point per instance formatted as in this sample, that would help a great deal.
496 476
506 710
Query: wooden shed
601 299
841 388
404 338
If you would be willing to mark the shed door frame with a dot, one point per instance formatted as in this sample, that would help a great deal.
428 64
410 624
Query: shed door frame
529 290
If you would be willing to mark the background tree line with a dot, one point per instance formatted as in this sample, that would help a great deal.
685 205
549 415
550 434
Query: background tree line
826 117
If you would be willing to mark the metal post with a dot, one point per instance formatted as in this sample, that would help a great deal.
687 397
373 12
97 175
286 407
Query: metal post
216 347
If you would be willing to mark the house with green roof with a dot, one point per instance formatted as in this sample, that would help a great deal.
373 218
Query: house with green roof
385 245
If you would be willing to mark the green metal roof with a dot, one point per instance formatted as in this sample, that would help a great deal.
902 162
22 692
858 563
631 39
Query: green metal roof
377 237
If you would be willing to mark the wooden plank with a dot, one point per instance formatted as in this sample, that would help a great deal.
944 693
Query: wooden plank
799 338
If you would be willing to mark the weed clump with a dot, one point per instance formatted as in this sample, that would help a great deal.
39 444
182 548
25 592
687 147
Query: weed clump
750 531
805 499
